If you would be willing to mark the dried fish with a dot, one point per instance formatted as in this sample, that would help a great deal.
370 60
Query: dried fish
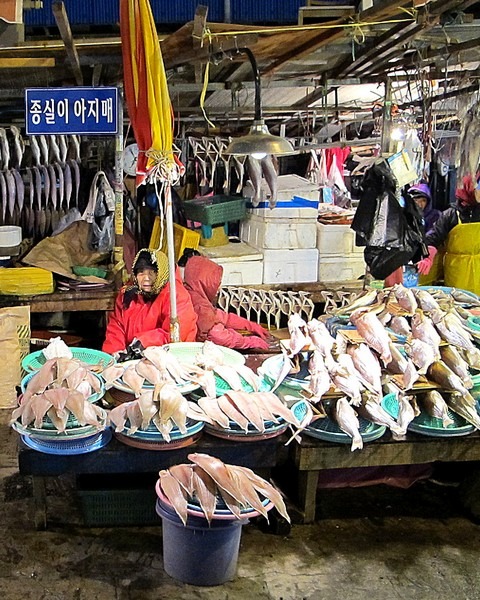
35 149
4 149
18 146
346 418
271 177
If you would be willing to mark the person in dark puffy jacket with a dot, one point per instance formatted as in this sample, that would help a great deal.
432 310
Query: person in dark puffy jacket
202 278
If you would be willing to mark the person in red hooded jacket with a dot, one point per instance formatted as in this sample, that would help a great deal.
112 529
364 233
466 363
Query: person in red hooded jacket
141 316
202 278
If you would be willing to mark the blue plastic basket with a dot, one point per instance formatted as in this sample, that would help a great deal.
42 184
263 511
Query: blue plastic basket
96 359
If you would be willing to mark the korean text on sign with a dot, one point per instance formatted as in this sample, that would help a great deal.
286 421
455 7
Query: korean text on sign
71 110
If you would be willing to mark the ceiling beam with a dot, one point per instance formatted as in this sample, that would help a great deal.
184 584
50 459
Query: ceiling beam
63 25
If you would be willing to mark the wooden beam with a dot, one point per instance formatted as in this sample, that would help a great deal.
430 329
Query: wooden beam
22 63
63 25
199 25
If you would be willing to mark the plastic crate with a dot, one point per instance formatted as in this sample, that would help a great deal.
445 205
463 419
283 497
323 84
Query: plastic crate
102 508
183 238
111 499
213 210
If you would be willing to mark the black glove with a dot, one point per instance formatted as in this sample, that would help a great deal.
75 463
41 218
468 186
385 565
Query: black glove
135 349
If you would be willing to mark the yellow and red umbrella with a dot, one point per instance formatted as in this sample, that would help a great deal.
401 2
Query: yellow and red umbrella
150 111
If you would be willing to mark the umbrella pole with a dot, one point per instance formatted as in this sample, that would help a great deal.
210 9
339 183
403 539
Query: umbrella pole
174 324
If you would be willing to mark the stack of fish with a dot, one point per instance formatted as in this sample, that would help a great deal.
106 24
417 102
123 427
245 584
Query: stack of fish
60 388
208 479
438 347
39 187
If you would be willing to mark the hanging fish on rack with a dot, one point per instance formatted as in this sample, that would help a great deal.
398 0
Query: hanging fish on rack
18 147
239 166
20 195
11 190
271 177
76 172
67 177
54 149
4 149
4 198
35 150
29 213
255 173
54 206
63 147
73 147
43 149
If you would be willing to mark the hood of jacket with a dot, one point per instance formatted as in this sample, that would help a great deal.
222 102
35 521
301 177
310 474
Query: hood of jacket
203 276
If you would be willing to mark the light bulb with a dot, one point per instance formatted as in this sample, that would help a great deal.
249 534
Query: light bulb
259 155
397 134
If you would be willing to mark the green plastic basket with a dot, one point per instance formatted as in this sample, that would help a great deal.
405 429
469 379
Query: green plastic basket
222 386
213 210
103 508
96 359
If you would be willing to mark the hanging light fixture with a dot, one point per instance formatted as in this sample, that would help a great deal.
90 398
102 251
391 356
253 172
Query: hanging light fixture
258 142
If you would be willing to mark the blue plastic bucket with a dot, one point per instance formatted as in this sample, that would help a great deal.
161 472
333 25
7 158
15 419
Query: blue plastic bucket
199 553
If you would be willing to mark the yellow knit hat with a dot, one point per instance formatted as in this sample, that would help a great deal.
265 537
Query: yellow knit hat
157 260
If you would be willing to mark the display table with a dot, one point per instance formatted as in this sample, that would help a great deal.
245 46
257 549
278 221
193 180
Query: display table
313 455
84 300
120 458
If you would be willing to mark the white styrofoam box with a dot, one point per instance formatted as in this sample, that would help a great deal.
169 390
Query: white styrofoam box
340 268
248 272
242 264
263 232
296 198
290 266
337 240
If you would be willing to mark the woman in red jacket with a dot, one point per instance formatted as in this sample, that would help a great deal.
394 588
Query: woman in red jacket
202 278
141 316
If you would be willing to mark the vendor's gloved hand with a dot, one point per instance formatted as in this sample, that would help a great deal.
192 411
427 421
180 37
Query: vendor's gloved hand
257 329
424 266
121 356
135 349
253 342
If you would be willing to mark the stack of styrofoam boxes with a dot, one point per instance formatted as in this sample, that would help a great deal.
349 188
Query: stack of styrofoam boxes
242 264
339 258
285 234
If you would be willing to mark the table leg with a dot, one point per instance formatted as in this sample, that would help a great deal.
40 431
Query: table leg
39 502
307 492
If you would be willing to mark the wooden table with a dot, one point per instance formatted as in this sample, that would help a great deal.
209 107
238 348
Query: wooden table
117 457
84 300
312 455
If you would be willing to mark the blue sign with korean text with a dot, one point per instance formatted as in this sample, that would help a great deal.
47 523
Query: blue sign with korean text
79 110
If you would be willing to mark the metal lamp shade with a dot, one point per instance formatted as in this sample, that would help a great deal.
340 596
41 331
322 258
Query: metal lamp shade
259 141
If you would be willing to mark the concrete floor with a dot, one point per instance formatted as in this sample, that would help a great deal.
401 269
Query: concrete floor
373 543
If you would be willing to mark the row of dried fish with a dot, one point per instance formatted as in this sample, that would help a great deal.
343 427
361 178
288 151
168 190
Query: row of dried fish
39 199
16 152
159 366
242 408
208 479
209 152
